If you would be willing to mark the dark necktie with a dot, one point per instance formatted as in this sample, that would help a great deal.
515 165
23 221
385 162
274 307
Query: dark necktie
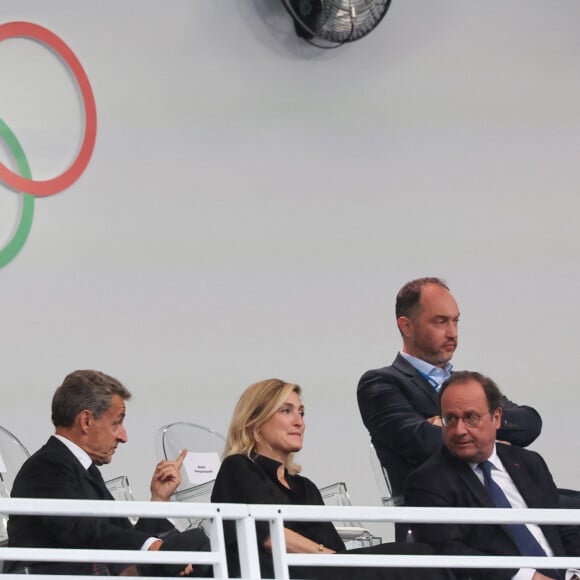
99 568
96 476
524 539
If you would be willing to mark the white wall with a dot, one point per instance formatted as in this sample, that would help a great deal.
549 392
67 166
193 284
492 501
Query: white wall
253 204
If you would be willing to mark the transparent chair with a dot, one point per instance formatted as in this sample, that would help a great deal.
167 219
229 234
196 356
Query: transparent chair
3 517
387 497
120 489
12 455
198 493
352 533
382 481
204 446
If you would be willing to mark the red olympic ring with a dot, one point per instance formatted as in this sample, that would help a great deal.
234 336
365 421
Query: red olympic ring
68 177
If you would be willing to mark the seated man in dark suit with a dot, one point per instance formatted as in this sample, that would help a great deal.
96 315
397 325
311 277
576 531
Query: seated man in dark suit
88 410
473 470
399 404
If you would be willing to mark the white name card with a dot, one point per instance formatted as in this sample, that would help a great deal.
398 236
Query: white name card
201 467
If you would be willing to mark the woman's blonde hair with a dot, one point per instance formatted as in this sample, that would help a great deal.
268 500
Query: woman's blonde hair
257 405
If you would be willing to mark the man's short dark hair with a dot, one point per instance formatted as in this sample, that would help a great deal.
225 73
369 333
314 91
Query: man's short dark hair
409 295
491 390
80 390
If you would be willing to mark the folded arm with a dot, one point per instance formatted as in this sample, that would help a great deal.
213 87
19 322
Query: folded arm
392 419
520 425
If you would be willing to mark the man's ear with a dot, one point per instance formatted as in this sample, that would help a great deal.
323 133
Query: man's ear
496 418
84 420
404 324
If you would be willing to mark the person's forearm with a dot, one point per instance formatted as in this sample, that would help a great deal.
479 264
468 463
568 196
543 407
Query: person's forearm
520 424
296 543
299 544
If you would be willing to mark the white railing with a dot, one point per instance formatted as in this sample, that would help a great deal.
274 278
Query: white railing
245 517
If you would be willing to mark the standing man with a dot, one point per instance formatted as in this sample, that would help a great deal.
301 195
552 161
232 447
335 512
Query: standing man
399 403
88 411
472 470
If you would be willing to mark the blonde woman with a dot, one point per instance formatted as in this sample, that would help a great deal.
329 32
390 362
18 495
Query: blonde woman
267 429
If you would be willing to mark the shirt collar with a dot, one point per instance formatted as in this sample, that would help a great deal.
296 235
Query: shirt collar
270 466
493 459
428 369
79 453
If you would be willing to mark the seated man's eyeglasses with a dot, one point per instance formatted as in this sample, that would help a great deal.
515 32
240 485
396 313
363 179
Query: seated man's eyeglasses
469 420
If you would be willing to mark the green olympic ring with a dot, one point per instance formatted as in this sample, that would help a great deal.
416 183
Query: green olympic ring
8 253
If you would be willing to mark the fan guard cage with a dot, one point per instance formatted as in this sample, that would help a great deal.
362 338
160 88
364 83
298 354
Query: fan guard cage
336 21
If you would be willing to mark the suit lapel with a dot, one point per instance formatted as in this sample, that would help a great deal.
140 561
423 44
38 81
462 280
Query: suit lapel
513 468
521 476
471 481
60 448
530 489
405 367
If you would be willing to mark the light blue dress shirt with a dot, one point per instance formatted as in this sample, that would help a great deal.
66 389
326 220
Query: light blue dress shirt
436 376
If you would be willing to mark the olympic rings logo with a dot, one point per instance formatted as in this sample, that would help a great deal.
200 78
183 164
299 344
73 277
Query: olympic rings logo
22 181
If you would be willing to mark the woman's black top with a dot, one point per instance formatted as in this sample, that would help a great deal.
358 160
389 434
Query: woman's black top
242 480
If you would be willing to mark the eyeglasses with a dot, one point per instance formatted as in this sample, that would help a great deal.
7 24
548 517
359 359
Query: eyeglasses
469 420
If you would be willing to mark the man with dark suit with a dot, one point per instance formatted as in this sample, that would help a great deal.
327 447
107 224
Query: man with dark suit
88 410
399 404
472 470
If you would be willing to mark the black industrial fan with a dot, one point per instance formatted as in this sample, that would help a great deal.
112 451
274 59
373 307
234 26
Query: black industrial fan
335 21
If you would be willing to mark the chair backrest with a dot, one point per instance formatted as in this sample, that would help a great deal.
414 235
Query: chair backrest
204 446
12 455
337 494
198 493
120 489
387 497
382 480
352 533
3 517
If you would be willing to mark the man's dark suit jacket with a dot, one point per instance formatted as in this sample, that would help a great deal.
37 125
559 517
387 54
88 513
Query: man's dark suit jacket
395 402
54 472
445 481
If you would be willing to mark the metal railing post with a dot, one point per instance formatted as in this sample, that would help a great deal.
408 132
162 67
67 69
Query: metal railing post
248 548
279 546
218 544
